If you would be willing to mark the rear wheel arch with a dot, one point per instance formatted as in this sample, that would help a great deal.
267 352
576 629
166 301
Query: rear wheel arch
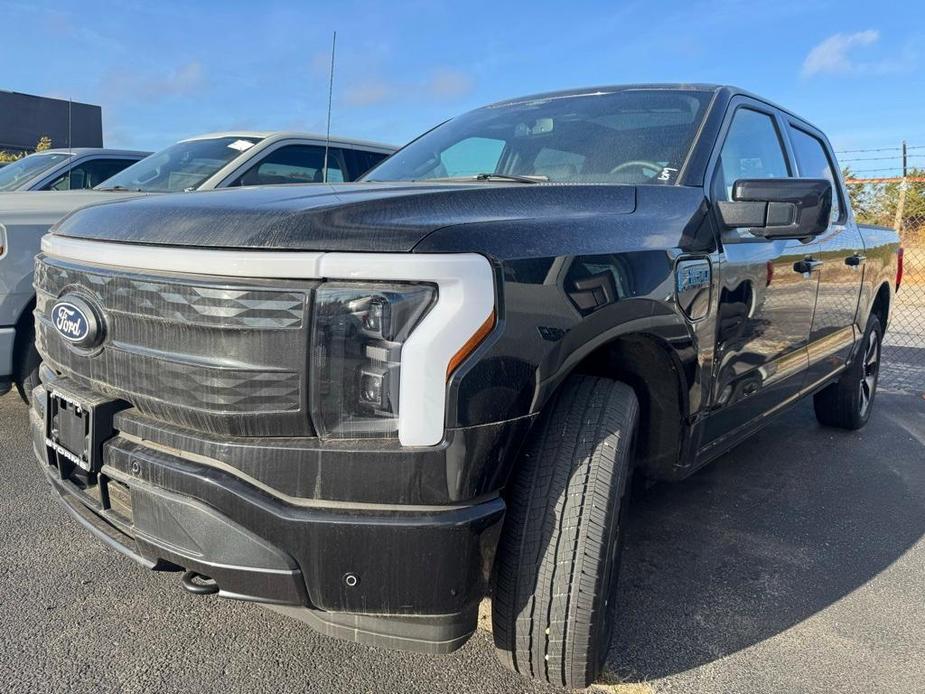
881 304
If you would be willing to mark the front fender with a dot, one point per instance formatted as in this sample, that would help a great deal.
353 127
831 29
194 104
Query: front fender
556 312
16 268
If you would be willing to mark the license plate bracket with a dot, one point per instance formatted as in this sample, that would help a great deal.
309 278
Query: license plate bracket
77 425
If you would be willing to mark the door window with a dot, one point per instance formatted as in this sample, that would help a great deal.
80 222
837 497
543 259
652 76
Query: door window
813 162
293 164
89 174
360 161
752 149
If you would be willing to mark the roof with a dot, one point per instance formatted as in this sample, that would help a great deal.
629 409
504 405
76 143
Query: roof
728 89
607 89
92 150
287 134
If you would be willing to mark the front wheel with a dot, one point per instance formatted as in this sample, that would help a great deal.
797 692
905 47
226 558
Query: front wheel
556 573
848 402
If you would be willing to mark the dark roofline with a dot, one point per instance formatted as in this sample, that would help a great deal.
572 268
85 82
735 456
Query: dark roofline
725 90
609 89
49 98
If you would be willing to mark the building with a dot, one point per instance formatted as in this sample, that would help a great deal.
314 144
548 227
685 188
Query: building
25 118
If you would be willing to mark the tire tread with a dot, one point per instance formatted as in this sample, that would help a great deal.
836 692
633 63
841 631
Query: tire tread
559 527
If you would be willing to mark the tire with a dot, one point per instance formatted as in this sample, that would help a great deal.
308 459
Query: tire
27 371
848 402
558 560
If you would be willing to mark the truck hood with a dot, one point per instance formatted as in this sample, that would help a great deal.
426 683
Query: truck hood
47 207
361 217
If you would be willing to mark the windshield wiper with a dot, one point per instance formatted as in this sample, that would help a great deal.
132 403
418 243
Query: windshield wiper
490 177
120 189
510 177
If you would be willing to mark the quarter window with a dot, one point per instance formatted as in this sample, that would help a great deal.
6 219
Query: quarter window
813 162
752 150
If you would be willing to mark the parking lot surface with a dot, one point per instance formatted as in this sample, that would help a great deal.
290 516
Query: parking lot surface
793 564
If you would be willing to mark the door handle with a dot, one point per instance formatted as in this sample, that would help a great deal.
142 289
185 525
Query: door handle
807 265
855 260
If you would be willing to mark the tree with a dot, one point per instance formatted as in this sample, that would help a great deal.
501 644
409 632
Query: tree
884 202
43 144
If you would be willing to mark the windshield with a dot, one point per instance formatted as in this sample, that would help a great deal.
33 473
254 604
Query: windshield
16 175
629 136
180 167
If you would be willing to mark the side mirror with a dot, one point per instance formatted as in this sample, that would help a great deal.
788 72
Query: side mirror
779 208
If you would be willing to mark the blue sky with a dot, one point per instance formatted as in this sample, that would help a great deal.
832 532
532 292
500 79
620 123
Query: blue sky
166 70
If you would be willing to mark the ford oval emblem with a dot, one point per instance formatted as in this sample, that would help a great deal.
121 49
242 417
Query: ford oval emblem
77 322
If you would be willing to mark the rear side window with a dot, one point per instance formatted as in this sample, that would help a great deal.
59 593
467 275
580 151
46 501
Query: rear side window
89 174
752 150
813 162
359 161
293 164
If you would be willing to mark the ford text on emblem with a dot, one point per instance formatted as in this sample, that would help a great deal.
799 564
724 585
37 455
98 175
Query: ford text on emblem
77 322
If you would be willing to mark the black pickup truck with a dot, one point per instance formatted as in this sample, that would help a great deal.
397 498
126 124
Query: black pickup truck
371 405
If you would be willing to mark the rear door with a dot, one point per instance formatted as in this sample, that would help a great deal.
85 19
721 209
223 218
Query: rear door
293 163
359 161
765 308
841 254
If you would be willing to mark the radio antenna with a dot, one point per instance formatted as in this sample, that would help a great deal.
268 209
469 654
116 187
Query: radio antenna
70 149
327 136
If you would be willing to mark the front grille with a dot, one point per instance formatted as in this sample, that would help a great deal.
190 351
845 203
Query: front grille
214 354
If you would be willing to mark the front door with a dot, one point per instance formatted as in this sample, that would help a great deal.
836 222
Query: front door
766 301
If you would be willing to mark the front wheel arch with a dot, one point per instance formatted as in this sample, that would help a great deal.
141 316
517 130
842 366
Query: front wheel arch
25 357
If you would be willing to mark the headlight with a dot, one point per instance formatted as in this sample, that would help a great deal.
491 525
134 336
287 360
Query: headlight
358 333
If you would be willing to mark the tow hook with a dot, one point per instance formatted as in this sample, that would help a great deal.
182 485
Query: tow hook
198 584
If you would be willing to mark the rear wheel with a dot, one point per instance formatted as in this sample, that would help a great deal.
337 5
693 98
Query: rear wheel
553 606
847 403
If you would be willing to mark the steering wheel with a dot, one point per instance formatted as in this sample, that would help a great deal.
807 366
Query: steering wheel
638 164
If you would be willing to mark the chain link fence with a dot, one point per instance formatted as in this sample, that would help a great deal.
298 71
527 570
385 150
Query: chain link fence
899 202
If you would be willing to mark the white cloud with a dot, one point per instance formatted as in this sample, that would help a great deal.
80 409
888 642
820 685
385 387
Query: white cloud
448 84
443 83
837 55
369 93
183 80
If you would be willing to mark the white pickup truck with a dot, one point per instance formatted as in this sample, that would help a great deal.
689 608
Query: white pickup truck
79 168
207 162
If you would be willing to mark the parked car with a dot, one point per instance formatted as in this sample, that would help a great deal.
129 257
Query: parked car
369 406
66 169
217 160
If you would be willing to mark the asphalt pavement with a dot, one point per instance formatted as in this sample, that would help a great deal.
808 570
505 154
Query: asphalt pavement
794 564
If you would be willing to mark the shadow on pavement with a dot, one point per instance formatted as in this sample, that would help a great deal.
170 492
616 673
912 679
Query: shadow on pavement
769 535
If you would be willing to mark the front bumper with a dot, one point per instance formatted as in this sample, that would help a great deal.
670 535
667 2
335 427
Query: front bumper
400 576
